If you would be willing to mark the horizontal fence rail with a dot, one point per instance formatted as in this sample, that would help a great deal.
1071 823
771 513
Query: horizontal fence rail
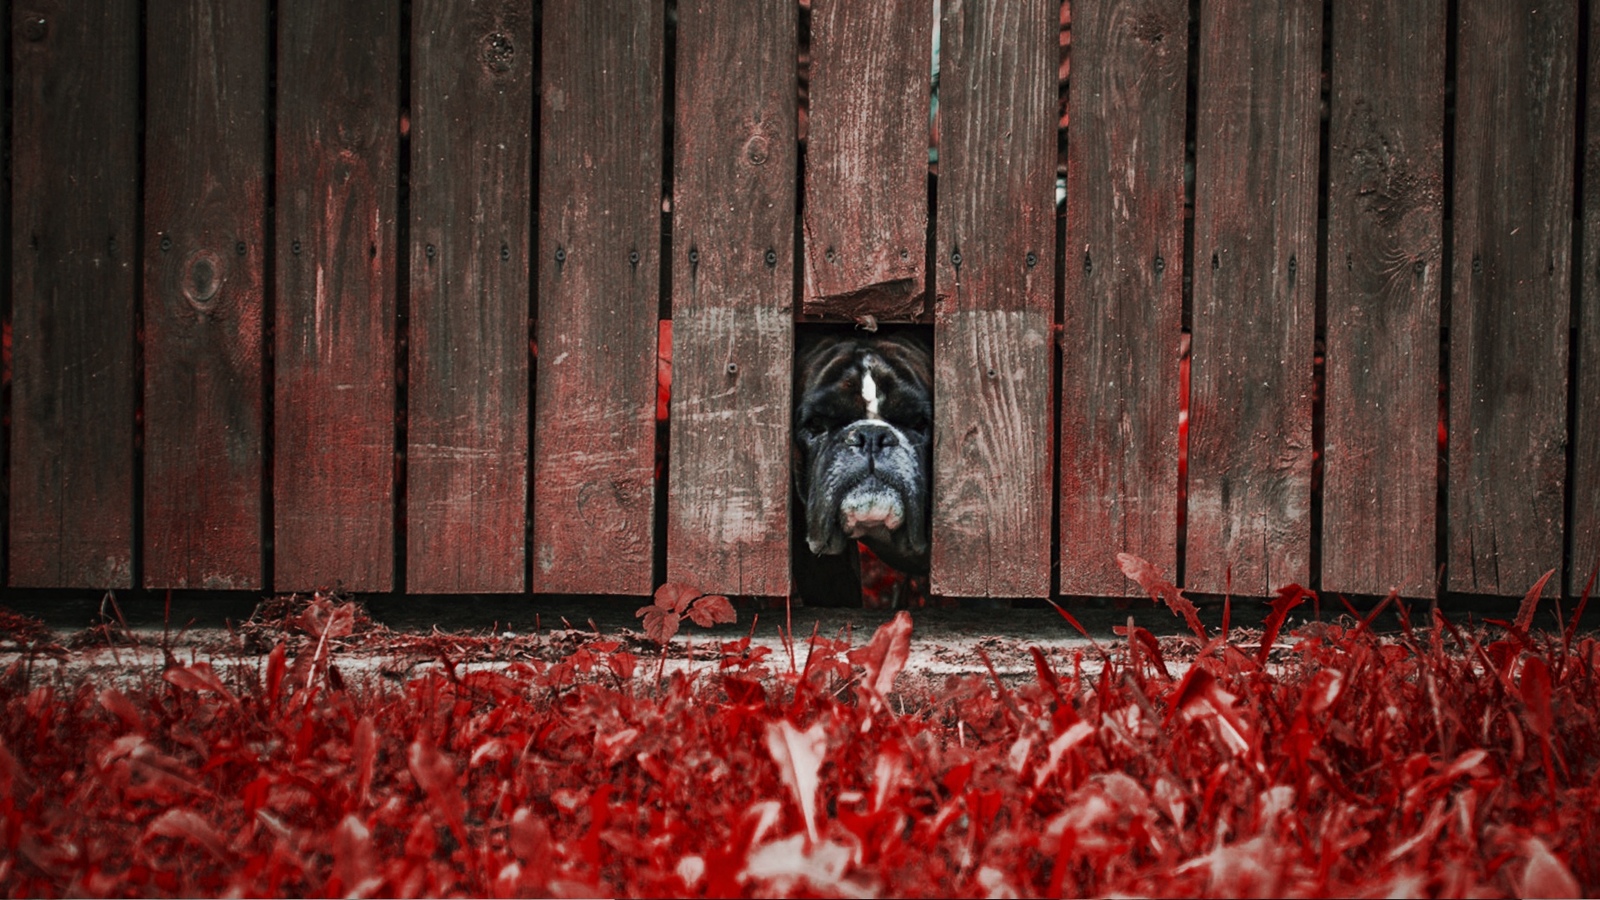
383 296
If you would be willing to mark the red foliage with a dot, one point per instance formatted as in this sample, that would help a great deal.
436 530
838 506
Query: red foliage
1443 761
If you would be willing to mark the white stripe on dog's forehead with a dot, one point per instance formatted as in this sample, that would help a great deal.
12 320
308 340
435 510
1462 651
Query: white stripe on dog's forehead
869 389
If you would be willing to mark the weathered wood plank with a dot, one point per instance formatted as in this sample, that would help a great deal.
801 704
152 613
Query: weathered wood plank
471 171
333 420
733 344
1584 539
205 262
866 210
1510 308
74 245
1385 252
599 291
1255 260
1123 314
995 283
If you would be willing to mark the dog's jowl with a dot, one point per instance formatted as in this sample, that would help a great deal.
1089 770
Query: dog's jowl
862 425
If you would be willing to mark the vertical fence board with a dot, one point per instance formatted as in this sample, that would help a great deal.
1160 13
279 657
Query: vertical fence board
995 282
75 240
333 450
599 293
471 171
1123 270
866 211
1510 308
1585 450
1255 260
733 288
205 259
1385 219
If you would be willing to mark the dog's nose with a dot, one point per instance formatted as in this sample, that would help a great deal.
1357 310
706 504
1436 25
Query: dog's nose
873 438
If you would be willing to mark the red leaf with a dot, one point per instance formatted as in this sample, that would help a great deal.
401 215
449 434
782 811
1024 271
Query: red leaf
1288 598
1536 695
712 610
118 704
1150 578
530 836
622 664
354 863
1545 875
743 691
659 624
276 666
197 677
186 824
799 757
675 597
436 775
364 750
1530 602
885 655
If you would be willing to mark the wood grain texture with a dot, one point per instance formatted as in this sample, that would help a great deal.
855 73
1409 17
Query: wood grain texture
992 451
471 195
1255 260
733 288
205 263
866 197
334 398
1510 307
599 287
1123 315
1385 271
74 251
1584 534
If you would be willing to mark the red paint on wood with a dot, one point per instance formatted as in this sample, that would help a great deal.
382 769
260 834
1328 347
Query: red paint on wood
866 211
599 287
334 429
1255 275
74 246
205 215
471 171
996 236
733 216
1385 221
1510 307
1123 312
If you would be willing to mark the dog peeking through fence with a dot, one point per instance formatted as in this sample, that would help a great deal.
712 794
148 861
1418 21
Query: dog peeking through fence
863 424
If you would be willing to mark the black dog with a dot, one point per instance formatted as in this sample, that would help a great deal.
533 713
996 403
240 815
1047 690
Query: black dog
862 439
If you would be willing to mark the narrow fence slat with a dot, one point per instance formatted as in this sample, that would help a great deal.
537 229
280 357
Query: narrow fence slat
1510 307
1254 275
74 253
333 420
866 210
995 284
733 290
205 261
1385 270
1123 272
599 295
471 196
1585 451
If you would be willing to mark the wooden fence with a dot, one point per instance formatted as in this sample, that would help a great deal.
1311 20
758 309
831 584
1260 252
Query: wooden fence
368 293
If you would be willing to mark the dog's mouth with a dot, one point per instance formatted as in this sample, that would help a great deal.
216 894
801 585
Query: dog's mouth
871 509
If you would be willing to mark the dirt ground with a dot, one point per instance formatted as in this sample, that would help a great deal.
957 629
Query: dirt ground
109 632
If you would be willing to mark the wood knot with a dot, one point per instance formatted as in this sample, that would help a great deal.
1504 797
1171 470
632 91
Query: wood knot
499 52
202 280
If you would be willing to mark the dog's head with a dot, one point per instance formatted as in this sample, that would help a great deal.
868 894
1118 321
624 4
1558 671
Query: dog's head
863 424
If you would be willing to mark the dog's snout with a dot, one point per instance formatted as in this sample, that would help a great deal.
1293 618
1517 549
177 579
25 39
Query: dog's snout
873 438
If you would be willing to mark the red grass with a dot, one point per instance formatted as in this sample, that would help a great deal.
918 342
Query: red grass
1443 761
